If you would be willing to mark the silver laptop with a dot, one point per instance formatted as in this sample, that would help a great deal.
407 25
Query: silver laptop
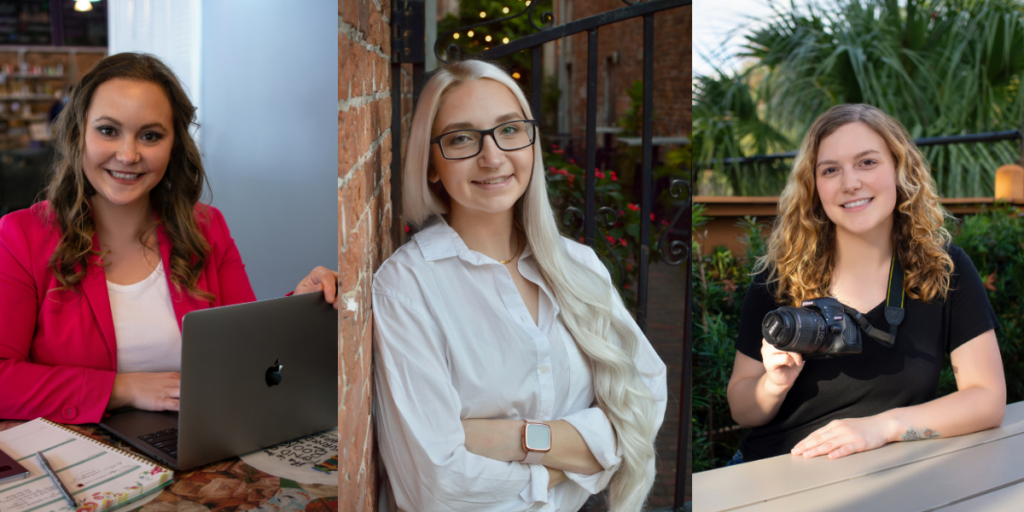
252 375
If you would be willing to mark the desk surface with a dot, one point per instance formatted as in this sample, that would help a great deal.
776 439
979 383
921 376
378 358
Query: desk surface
227 486
978 472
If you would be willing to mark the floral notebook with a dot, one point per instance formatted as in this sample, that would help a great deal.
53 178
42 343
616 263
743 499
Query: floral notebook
100 477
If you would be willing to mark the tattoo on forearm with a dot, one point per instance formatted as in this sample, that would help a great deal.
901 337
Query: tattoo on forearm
914 435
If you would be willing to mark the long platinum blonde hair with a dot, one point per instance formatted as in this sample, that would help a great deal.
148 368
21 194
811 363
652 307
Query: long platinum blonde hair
584 296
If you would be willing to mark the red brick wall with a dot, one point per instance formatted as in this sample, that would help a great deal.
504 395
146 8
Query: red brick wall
672 66
364 227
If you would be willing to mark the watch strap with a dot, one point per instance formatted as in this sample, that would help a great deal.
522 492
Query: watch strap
533 457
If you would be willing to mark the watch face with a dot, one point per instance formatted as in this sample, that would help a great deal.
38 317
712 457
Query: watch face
538 437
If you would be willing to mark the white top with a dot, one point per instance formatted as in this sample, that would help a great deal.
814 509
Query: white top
454 340
147 333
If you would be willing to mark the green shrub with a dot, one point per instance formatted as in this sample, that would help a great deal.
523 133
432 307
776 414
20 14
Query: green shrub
994 240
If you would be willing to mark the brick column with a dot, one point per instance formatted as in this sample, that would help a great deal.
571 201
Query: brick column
364 224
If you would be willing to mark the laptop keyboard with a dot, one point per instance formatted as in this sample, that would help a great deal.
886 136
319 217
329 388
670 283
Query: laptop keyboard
164 440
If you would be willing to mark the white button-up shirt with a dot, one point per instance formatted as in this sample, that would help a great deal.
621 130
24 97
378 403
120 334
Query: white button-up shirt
454 340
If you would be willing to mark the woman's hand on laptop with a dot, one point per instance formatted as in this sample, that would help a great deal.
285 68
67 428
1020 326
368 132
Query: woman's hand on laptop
146 391
321 279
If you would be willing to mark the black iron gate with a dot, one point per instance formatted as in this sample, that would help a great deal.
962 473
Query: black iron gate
408 47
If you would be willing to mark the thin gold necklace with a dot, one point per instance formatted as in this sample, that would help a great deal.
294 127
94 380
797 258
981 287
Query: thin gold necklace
505 262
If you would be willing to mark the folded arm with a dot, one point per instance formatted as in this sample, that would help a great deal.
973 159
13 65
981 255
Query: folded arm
502 440
422 441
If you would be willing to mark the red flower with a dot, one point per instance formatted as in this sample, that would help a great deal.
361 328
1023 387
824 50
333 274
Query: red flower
633 207
610 240
626 286
629 268
407 229
558 151
614 177
552 169
652 217
598 173
571 177
621 213
622 241
571 161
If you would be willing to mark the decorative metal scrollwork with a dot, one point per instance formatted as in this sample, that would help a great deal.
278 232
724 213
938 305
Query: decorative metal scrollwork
675 252
609 217
567 220
454 52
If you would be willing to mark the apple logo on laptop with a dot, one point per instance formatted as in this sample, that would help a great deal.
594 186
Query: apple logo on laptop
274 374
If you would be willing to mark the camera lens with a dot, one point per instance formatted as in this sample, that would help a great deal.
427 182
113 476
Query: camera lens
793 329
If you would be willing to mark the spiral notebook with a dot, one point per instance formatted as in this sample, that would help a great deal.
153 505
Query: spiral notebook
100 477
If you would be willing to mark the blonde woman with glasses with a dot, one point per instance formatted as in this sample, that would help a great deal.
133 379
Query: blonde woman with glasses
509 375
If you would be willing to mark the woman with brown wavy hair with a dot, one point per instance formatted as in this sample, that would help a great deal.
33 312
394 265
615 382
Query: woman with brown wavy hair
861 203
95 280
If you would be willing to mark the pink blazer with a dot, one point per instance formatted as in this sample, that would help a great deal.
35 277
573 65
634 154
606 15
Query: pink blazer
58 355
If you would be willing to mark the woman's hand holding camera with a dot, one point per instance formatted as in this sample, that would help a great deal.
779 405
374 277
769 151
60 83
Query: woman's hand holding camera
842 437
146 391
781 368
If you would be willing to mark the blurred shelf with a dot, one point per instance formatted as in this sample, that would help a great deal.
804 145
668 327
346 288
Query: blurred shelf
40 117
30 75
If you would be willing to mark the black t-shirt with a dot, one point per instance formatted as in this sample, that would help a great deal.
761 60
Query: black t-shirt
879 378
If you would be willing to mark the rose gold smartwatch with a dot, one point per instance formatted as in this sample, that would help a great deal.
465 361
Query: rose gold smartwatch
536 441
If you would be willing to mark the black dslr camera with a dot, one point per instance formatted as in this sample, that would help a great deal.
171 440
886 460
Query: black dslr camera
821 328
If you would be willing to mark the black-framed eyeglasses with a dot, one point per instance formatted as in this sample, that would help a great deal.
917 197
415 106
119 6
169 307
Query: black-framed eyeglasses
467 143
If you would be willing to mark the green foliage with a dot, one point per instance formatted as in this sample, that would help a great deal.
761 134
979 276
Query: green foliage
632 122
995 242
469 13
993 239
617 243
942 67
720 283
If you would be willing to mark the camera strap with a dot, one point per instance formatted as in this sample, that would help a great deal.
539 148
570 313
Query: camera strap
894 296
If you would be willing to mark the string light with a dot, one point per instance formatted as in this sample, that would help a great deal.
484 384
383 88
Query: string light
470 33
455 36
527 3
505 40
487 38
483 14
83 5
516 75
505 10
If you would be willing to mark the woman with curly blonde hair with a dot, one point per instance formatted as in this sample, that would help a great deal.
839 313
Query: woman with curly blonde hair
861 204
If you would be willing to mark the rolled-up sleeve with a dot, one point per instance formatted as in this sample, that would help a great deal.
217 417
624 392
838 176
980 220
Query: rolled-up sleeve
422 441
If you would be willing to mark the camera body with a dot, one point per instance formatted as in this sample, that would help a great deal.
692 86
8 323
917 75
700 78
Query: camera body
821 328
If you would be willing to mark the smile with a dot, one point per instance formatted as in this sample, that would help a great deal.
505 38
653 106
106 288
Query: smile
124 175
859 202
495 181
